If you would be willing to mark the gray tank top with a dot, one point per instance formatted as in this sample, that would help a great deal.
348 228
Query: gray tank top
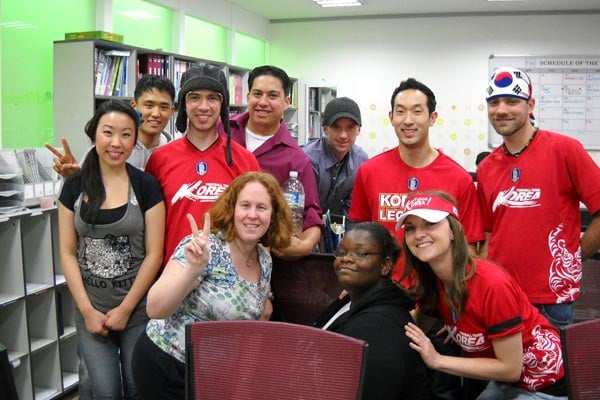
110 256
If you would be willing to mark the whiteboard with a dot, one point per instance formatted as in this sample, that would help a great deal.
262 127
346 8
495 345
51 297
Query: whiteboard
566 91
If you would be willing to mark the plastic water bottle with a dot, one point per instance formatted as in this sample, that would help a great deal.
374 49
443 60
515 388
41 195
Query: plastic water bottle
293 191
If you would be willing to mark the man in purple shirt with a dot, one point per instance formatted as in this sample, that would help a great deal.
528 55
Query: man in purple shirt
262 131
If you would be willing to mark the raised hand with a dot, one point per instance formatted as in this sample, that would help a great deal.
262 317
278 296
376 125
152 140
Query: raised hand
196 250
422 345
65 163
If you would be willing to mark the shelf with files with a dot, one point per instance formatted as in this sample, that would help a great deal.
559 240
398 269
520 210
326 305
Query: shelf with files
152 62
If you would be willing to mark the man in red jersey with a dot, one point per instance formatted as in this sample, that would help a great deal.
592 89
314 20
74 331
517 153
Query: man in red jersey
530 189
196 168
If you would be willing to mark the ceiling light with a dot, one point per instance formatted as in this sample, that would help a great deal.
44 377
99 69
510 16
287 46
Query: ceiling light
340 3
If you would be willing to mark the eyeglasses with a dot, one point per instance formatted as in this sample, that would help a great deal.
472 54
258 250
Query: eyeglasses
196 98
354 255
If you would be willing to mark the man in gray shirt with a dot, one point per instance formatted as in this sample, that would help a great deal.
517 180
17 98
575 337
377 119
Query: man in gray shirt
335 158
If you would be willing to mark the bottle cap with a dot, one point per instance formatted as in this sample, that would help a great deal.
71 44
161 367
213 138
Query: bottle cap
293 174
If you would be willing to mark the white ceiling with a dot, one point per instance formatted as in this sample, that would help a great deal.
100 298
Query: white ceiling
307 9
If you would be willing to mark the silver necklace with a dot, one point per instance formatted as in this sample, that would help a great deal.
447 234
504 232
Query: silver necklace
249 262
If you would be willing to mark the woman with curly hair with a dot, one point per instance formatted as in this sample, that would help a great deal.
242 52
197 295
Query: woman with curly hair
221 272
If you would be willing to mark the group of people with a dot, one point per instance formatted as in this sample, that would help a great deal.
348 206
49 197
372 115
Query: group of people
497 265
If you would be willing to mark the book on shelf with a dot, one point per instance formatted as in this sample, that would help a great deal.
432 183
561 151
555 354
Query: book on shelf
124 90
235 89
106 71
113 77
118 86
179 67
111 66
231 84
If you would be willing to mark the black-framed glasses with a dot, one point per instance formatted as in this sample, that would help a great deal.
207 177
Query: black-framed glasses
354 255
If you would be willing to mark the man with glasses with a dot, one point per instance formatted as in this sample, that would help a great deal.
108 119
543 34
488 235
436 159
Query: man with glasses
195 169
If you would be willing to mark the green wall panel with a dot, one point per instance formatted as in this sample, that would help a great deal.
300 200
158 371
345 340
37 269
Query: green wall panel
205 40
29 28
249 51
143 24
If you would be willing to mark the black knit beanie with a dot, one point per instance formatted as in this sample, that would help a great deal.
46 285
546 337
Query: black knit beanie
205 76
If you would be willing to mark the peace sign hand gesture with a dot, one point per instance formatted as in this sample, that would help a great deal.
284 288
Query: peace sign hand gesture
65 163
196 251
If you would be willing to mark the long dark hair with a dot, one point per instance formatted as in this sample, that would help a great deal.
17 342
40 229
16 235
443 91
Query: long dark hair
426 289
91 177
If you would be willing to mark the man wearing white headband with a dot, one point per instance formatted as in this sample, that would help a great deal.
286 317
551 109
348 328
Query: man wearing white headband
530 188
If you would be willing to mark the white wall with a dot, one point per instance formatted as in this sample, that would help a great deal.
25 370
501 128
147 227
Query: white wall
368 59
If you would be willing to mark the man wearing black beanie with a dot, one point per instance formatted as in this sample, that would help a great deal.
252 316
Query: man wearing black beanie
195 169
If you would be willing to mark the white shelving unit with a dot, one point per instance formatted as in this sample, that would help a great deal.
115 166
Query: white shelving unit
74 78
316 96
36 307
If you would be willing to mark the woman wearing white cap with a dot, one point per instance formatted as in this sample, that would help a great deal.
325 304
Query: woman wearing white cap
503 337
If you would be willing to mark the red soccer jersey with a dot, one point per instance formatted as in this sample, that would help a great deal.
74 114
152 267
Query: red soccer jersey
530 205
384 181
192 180
496 308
